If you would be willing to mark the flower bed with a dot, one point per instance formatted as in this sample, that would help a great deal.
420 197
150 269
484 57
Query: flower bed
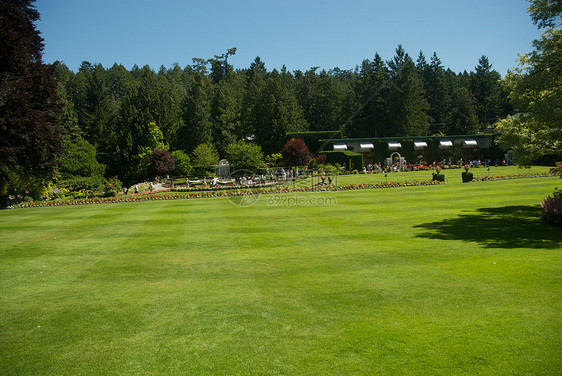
170 195
513 176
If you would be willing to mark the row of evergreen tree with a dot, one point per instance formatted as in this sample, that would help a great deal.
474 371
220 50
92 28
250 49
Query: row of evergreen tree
124 113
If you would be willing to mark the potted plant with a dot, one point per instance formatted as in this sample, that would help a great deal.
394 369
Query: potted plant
467 176
437 175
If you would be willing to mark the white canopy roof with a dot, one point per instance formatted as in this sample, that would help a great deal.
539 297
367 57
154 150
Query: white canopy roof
366 146
394 145
340 147
420 144
470 143
445 144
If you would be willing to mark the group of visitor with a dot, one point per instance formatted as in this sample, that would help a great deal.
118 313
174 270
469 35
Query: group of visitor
373 168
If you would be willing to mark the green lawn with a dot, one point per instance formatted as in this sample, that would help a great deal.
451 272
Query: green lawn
452 176
455 279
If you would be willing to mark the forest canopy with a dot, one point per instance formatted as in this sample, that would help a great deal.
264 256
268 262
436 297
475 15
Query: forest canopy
126 114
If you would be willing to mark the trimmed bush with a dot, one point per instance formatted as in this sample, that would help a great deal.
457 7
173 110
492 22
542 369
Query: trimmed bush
110 193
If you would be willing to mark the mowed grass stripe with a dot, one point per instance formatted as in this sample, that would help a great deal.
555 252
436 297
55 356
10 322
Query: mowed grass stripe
378 283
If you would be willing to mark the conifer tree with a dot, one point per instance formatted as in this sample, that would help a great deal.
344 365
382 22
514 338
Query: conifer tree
407 107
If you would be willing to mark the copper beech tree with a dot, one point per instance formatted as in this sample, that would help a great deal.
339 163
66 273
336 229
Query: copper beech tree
30 138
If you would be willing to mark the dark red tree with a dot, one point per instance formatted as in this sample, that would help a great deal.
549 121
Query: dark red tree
29 136
160 163
295 153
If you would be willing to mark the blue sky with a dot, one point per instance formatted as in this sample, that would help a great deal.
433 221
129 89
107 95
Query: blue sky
296 33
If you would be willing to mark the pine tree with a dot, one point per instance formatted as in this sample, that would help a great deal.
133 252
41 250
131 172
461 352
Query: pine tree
372 89
168 112
138 134
484 85
197 121
277 112
226 111
68 119
407 107
255 84
437 92
462 116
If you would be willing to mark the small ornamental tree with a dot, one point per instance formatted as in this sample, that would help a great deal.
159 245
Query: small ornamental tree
205 157
296 153
160 162
245 156
182 162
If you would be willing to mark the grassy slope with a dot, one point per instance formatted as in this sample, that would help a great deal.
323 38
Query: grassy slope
454 279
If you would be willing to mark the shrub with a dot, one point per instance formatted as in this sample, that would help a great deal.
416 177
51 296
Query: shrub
343 158
557 169
313 164
59 192
77 183
110 193
321 158
114 184
329 167
552 208
77 195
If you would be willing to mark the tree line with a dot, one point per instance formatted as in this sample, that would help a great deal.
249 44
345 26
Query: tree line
125 114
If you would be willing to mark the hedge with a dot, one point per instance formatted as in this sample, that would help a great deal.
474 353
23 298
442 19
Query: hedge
343 158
